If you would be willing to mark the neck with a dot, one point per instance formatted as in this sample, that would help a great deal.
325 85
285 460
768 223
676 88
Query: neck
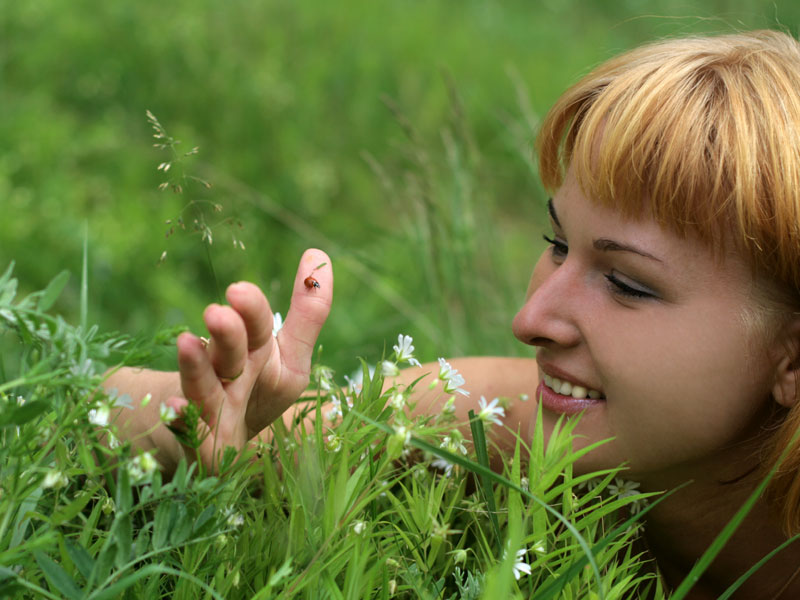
683 526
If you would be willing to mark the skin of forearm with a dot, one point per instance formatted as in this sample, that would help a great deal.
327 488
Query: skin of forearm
142 425
486 376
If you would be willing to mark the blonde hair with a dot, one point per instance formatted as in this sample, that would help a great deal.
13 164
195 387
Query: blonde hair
703 135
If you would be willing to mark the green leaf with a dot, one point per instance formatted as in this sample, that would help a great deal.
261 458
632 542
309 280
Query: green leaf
124 496
73 508
8 286
162 524
58 577
183 526
203 519
123 536
20 415
104 562
23 516
80 557
53 291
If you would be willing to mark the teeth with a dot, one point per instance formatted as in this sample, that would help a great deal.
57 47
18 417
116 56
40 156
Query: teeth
578 391
565 388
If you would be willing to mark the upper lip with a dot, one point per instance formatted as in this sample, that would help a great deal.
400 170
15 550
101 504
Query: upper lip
554 371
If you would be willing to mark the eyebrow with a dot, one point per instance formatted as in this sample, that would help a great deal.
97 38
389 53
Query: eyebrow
604 244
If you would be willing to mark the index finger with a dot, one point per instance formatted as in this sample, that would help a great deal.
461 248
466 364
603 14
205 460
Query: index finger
311 303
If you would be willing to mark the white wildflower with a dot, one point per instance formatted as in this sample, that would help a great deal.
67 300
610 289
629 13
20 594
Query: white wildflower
54 479
359 527
389 369
277 323
235 519
451 378
443 465
100 416
539 547
403 434
167 414
353 386
117 400
623 488
442 530
520 566
333 442
404 350
490 412
626 489
454 444
142 467
324 377
398 400
113 441
450 406
336 410
108 506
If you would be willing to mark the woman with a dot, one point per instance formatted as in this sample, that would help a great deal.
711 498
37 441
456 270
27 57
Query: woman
665 310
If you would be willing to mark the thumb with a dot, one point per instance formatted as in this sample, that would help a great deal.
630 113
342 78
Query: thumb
311 303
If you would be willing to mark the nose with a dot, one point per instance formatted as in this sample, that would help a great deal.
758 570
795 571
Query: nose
549 316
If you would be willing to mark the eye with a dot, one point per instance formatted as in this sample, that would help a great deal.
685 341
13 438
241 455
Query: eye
628 290
558 247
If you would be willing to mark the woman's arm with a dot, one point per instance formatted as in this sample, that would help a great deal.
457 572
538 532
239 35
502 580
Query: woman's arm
515 379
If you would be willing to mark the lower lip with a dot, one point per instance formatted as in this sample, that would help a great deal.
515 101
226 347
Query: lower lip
564 405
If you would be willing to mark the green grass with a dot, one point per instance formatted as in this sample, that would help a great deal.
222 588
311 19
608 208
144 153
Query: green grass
357 510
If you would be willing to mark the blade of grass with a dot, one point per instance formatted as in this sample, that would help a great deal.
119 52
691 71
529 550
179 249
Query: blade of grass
481 452
84 306
736 584
722 538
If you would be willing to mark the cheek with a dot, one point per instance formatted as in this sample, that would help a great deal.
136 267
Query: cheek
681 388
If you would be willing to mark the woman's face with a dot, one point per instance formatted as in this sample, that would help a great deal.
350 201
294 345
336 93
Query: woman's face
652 323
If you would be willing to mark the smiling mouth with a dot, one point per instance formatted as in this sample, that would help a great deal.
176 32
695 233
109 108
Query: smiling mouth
565 388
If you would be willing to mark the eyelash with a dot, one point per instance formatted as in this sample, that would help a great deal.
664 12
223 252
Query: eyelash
558 247
559 250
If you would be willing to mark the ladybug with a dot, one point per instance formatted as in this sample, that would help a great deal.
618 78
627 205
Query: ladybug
310 282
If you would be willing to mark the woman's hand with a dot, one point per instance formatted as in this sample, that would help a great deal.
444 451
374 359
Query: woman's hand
243 378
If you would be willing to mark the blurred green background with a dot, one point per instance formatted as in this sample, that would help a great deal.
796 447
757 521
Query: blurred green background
396 135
